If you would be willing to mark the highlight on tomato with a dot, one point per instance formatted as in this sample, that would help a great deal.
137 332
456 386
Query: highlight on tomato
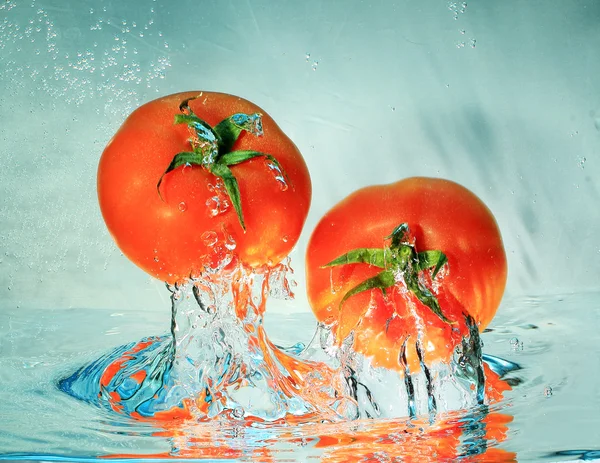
191 176
405 267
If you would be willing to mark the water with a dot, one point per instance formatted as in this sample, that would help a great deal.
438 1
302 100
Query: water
218 362
555 351
498 96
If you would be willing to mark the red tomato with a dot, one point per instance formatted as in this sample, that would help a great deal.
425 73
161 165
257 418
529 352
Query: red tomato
172 235
441 215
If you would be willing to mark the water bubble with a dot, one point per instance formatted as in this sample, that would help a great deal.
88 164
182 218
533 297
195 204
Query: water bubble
548 391
284 238
314 65
182 206
238 413
516 344
156 259
307 57
582 161
210 238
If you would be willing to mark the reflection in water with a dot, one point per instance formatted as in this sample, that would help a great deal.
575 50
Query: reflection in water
217 365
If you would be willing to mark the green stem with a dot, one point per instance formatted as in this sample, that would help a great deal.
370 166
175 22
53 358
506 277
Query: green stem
400 261
212 149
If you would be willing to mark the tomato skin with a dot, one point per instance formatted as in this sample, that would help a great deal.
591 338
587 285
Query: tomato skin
170 238
441 215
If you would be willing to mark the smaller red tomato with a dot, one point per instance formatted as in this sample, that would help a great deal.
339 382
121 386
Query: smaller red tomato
190 176
372 268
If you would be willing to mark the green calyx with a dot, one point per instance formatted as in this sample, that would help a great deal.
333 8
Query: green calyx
399 261
212 149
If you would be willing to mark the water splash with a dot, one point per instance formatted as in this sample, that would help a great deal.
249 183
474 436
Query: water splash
217 361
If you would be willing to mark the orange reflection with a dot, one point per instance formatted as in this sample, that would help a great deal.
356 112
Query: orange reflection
467 437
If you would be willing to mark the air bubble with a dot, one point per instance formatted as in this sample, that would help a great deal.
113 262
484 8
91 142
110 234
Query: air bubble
182 206
581 162
314 65
548 391
238 413
210 238
516 344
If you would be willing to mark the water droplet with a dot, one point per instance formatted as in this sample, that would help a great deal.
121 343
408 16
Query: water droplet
156 259
314 65
472 43
307 57
516 344
548 391
582 161
210 238
213 205
182 206
250 123
229 241
238 413
278 174
285 239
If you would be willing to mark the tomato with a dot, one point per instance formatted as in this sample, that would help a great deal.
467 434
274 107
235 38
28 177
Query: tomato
389 319
176 199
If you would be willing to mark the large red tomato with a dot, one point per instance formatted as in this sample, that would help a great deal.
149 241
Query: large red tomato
224 175
391 308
